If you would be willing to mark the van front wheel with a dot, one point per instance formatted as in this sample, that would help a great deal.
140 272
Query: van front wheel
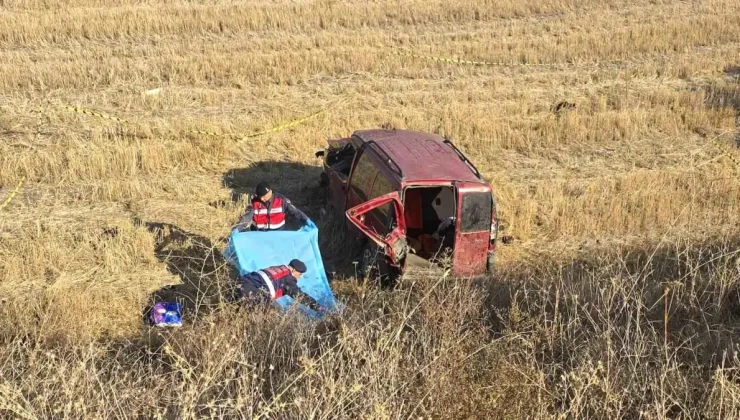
369 260
373 264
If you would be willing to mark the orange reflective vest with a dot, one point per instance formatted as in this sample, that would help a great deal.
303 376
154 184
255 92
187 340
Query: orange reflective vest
272 217
273 278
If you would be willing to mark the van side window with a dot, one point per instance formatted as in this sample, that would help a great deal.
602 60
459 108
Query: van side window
476 212
381 187
362 177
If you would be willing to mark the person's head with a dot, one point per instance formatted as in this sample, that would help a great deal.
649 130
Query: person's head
263 192
297 268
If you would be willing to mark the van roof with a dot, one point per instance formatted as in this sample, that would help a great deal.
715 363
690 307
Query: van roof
420 156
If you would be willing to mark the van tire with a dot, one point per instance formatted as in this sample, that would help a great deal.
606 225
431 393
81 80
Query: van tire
490 263
325 192
373 265
369 260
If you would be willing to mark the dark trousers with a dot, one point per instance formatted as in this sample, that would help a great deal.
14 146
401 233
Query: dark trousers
251 294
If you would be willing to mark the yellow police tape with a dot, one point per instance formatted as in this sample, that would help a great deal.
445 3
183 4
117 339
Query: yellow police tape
207 133
285 126
485 63
12 194
281 127
275 129
93 113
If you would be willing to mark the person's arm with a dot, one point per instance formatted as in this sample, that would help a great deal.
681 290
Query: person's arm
294 211
246 220
290 288
446 224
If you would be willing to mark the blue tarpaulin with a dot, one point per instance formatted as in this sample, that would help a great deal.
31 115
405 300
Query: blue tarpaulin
252 251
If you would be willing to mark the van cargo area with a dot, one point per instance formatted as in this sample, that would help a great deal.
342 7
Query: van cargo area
425 209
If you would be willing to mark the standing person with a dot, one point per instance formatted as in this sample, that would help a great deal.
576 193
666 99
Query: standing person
267 211
271 283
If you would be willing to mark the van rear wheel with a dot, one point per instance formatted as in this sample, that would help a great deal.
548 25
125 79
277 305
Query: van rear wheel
325 190
490 263
369 260
374 265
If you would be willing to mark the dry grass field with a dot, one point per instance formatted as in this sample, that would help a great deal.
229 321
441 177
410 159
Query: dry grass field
619 298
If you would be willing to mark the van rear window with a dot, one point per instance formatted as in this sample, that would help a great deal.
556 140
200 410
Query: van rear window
476 212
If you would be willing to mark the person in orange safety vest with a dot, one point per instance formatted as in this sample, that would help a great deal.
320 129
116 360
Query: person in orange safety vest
271 283
268 211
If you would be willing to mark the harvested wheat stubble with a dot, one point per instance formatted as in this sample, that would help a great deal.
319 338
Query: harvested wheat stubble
612 202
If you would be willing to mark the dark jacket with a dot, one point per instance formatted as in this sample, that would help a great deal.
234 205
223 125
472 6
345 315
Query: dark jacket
288 208
254 285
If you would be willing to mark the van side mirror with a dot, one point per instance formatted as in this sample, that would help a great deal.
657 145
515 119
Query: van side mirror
320 153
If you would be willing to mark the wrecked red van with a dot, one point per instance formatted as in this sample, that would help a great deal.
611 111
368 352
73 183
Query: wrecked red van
397 187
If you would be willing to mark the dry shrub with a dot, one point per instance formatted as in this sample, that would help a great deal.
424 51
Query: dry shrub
584 340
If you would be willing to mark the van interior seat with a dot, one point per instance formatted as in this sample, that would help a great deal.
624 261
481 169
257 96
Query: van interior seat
424 210
341 161
343 166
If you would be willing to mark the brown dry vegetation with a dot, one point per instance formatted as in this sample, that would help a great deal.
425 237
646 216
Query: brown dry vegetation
625 209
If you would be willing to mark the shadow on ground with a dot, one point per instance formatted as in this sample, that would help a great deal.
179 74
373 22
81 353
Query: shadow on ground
207 278
300 184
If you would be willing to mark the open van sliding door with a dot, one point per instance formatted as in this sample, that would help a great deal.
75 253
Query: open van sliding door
473 229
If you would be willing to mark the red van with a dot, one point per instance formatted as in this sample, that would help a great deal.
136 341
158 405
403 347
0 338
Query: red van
397 187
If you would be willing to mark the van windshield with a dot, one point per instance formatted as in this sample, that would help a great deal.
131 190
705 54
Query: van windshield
476 212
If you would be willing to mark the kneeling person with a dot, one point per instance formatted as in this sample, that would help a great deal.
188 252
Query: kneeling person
271 283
